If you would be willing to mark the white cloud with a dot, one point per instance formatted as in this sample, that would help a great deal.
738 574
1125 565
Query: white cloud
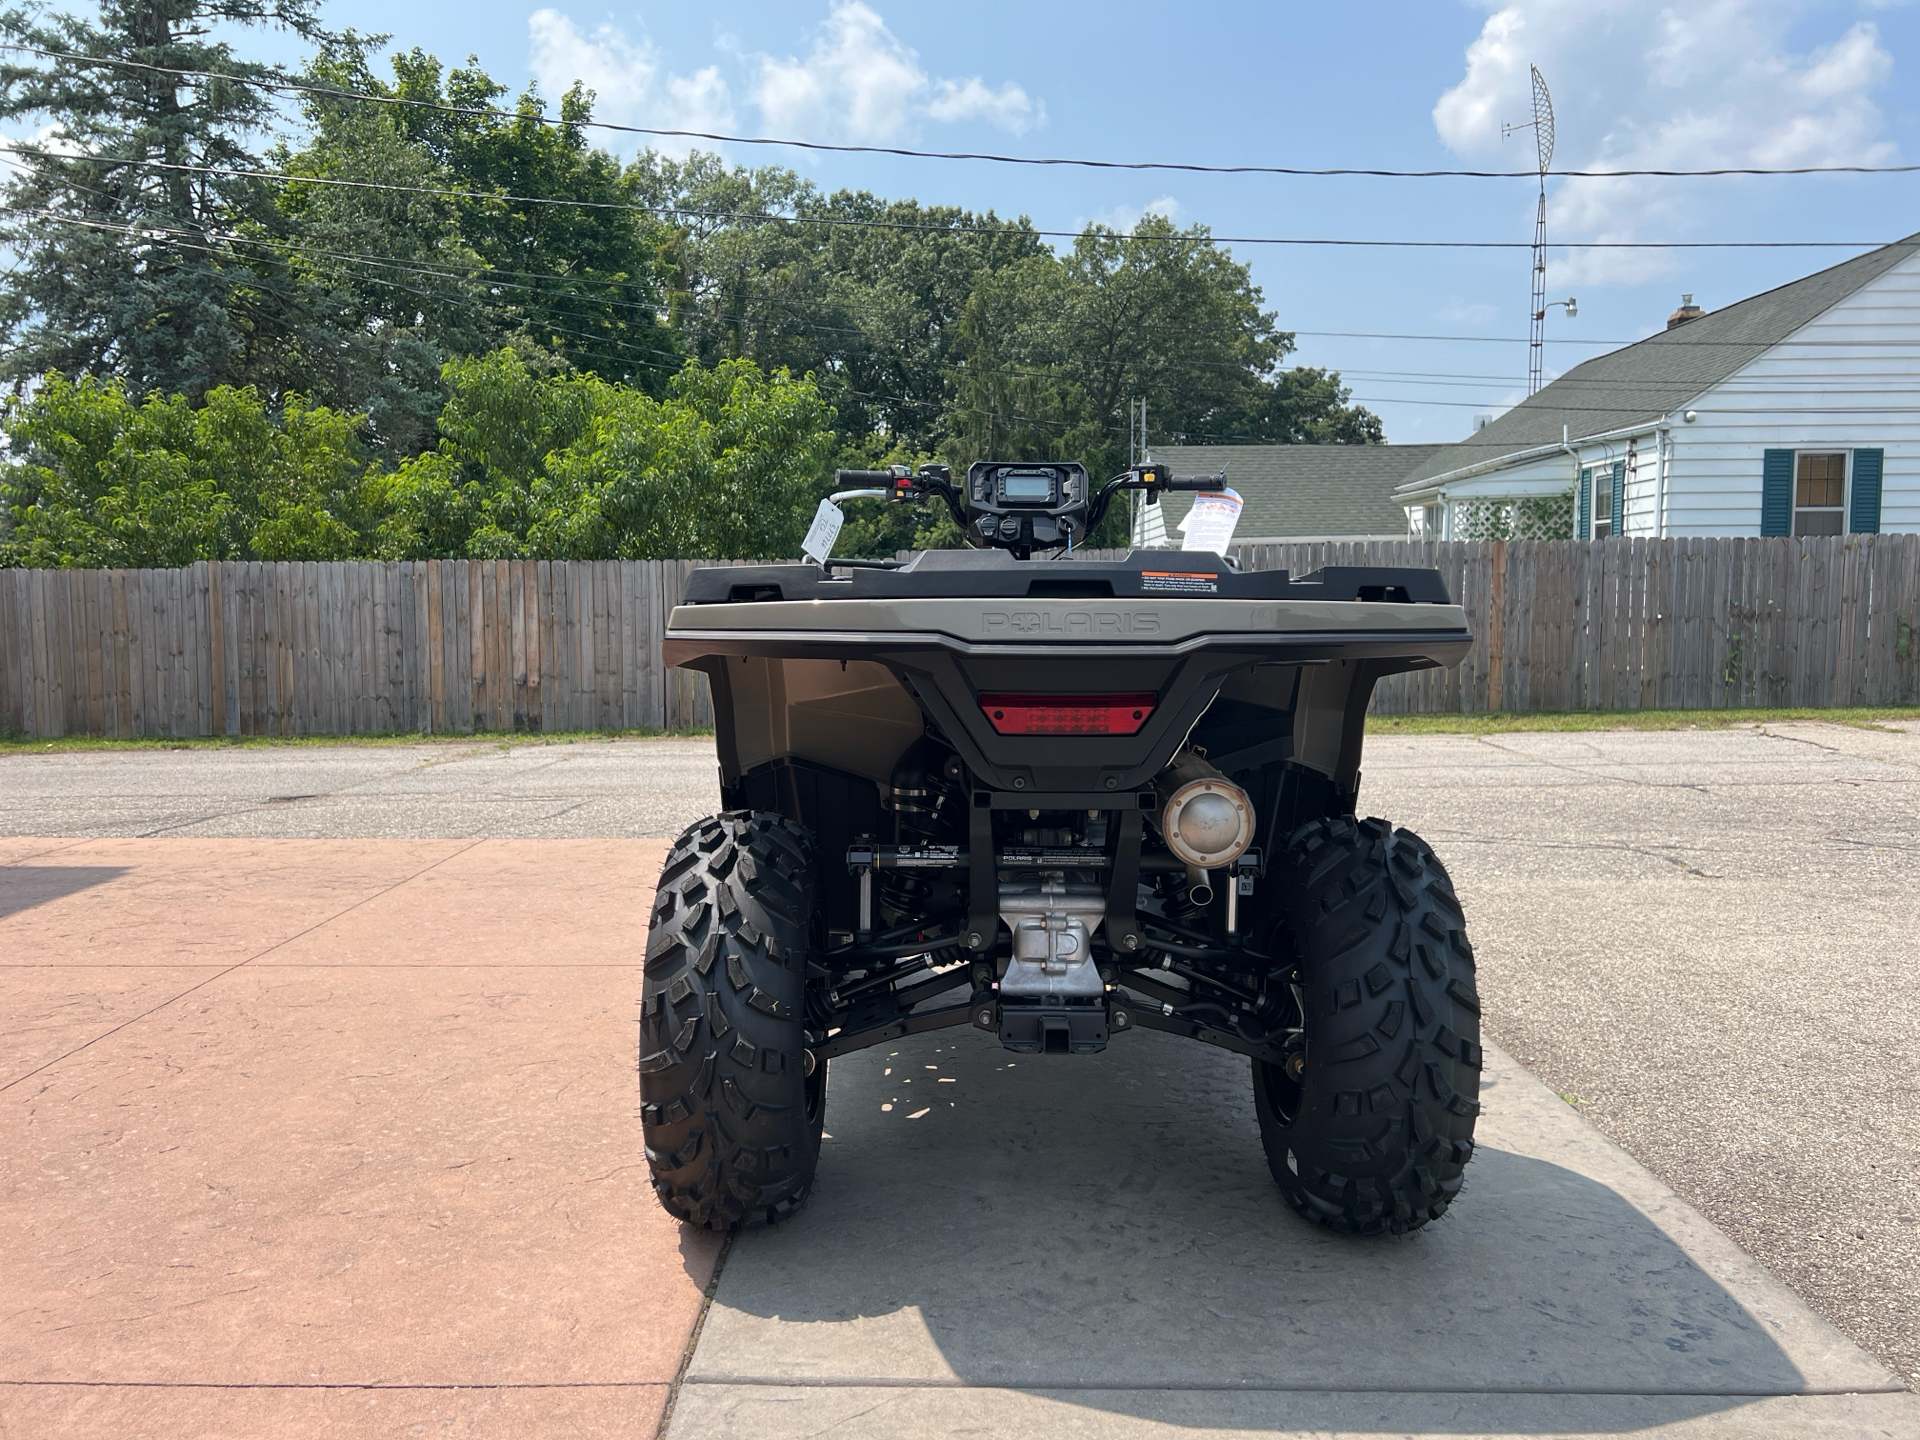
1643 84
860 83
627 80
1124 217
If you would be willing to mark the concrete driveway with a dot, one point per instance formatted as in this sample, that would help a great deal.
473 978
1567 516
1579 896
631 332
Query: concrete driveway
337 1137
1012 1245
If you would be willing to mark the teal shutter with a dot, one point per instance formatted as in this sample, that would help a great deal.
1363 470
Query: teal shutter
1584 529
1619 497
1863 514
1776 493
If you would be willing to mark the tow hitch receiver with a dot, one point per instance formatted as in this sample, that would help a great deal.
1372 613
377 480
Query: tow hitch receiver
1047 1029
1053 1032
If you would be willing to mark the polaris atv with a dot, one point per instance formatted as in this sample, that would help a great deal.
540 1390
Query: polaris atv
1059 800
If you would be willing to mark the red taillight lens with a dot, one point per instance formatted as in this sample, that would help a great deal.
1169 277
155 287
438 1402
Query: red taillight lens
1067 714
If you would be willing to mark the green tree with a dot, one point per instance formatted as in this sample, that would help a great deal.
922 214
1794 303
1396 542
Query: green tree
570 255
96 479
1053 352
862 292
387 286
726 463
119 218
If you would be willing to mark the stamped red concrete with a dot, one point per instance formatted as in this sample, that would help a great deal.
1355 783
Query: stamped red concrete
375 1170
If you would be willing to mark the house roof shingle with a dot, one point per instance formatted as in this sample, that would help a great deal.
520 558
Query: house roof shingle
1640 382
1306 490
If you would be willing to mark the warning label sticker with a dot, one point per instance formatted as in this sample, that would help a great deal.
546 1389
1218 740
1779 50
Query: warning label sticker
1179 582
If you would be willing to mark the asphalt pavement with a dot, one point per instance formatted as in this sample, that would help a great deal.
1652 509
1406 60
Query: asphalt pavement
472 789
1705 940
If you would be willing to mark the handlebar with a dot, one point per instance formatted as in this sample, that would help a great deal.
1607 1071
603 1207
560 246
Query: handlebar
1153 479
901 483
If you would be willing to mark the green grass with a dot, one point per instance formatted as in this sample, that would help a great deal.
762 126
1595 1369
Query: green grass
22 745
1501 722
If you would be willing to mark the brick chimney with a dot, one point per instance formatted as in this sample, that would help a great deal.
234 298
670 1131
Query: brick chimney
1687 311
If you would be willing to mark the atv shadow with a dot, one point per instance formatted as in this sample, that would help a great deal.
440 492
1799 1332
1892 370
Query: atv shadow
1105 1226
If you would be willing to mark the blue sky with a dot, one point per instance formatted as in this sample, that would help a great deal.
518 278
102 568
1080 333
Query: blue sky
1655 83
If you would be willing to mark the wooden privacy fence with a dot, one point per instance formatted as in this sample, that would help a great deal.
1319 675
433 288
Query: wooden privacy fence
457 645
344 648
1632 623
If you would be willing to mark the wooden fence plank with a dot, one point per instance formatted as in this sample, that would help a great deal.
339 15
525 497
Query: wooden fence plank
580 615
14 680
202 648
92 715
458 583
434 637
166 634
1720 639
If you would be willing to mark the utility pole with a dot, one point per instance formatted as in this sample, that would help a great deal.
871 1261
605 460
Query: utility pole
1136 455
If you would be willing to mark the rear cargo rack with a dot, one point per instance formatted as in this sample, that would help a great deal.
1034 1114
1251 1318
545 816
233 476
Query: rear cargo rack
994 574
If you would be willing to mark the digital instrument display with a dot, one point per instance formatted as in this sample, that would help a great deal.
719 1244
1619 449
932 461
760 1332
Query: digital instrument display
1031 488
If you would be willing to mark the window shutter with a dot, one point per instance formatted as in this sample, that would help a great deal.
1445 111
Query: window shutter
1584 528
1864 513
1776 493
1619 497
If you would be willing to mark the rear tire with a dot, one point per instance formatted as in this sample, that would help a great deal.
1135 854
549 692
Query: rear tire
731 1118
1373 1134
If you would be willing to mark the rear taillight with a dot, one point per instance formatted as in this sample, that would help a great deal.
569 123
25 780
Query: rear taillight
1067 714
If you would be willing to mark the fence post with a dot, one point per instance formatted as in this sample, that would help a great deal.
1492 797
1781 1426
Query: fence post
1497 629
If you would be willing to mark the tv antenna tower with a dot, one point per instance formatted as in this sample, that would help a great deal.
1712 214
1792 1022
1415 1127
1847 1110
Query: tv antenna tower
1542 127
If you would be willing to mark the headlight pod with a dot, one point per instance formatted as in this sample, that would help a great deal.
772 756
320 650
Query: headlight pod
1206 819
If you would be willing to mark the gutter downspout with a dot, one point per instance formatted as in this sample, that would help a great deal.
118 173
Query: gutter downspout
1566 444
1663 441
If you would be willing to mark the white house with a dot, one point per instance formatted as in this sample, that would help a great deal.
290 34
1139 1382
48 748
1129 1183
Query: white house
1795 412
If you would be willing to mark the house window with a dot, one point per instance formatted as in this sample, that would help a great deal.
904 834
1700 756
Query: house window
1602 504
1820 493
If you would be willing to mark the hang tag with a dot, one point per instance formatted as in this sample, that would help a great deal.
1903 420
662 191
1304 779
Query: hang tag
1210 523
825 529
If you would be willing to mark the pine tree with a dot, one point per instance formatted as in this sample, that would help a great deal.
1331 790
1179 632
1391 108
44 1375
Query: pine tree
121 220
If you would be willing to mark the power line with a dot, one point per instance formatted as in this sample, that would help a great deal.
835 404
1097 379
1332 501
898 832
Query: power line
297 87
603 346
761 217
945 405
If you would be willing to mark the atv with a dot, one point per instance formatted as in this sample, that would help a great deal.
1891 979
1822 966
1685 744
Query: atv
1059 800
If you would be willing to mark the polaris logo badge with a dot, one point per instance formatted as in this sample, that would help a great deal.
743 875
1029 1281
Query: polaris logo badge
1071 624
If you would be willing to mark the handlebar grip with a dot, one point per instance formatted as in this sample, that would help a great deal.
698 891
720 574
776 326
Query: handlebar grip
1195 482
863 477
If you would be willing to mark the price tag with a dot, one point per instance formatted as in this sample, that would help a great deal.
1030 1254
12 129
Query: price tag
825 529
1210 523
